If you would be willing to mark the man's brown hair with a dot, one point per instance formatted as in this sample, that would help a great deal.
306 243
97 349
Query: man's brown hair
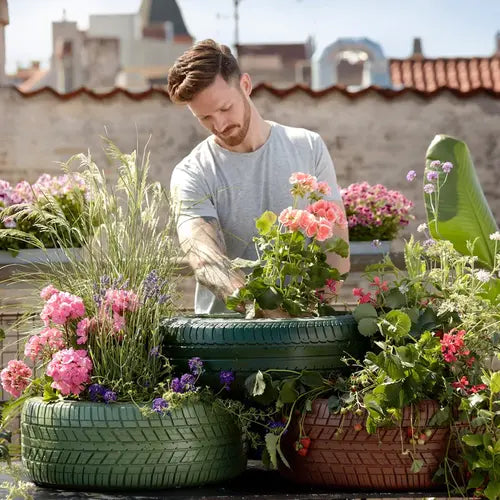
197 69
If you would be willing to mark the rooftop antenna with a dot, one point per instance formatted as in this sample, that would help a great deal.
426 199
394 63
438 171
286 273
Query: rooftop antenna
236 4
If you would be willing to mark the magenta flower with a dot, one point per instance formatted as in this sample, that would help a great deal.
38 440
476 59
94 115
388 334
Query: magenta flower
16 377
429 188
447 166
70 369
432 175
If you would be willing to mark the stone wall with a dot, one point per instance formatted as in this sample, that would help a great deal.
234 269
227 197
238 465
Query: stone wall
371 137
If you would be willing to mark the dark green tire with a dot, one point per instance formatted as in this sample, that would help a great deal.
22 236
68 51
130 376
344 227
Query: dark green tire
84 445
245 346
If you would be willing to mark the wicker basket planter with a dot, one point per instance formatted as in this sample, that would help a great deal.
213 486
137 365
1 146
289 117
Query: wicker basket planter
358 460
84 445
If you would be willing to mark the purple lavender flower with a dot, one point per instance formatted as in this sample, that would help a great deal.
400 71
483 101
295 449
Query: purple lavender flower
428 243
226 378
160 406
410 176
432 175
195 365
435 164
109 397
154 352
429 188
277 424
447 166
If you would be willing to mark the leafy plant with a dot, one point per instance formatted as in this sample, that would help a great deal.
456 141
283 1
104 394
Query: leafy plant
292 272
457 209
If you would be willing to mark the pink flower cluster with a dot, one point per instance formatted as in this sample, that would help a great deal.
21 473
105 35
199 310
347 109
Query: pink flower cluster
61 307
16 377
47 342
453 347
70 369
370 206
24 192
319 218
120 301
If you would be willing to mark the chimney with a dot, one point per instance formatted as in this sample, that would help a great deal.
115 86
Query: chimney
417 49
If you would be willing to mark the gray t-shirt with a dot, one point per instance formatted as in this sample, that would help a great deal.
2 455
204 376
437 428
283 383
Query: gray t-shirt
236 188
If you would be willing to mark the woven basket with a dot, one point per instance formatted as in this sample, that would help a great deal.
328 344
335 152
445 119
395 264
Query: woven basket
357 460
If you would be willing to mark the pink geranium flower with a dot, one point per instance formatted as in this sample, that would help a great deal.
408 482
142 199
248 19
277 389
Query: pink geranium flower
62 307
70 369
16 377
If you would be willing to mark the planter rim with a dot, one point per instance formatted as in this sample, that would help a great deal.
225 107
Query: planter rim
39 255
238 318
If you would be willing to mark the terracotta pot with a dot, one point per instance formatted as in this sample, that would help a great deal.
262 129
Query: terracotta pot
358 460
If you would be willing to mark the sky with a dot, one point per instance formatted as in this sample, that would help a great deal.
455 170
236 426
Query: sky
447 27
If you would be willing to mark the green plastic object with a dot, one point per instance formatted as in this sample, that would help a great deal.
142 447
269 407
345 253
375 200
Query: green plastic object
245 346
95 446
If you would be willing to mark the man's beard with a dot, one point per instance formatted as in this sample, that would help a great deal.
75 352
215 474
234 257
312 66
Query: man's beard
237 139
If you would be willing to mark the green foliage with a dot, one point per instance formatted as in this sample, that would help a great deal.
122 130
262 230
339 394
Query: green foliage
457 210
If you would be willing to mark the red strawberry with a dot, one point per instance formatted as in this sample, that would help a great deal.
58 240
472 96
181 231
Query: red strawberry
305 441
357 427
303 452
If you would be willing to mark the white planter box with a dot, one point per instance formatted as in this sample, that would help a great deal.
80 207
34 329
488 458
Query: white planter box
38 256
368 248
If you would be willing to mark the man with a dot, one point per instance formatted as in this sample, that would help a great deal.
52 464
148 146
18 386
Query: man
236 174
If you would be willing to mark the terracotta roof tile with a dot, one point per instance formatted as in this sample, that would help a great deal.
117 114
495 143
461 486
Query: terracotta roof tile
463 74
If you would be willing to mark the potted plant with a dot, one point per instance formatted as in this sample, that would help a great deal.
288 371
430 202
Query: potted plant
101 408
291 274
375 216
23 240
389 425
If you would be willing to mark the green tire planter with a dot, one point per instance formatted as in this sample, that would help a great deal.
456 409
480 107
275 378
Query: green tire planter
85 445
227 342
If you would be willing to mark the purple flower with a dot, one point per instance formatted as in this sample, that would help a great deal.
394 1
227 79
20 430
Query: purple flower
195 365
435 164
96 390
432 175
275 424
176 385
447 167
109 397
226 378
160 405
428 243
154 352
429 188
188 381
410 176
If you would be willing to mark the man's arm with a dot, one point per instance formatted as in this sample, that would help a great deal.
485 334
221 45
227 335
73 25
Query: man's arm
202 241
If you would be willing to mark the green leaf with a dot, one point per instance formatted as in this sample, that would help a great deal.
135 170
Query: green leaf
371 426
441 417
364 311
476 399
417 465
265 222
292 307
318 274
492 491
282 456
395 299
49 394
495 383
288 393
308 406
255 384
393 366
338 245
271 445
463 212
476 479
311 379
473 440
333 403
392 393
270 299
239 263
395 324
368 327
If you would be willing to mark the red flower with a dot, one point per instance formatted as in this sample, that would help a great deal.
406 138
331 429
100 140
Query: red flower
452 346
461 383
381 285
477 388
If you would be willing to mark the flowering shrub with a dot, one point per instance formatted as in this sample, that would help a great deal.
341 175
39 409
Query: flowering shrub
63 195
291 272
375 212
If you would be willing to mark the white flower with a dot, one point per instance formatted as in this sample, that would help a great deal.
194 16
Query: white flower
495 236
483 275
422 227
376 243
404 289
